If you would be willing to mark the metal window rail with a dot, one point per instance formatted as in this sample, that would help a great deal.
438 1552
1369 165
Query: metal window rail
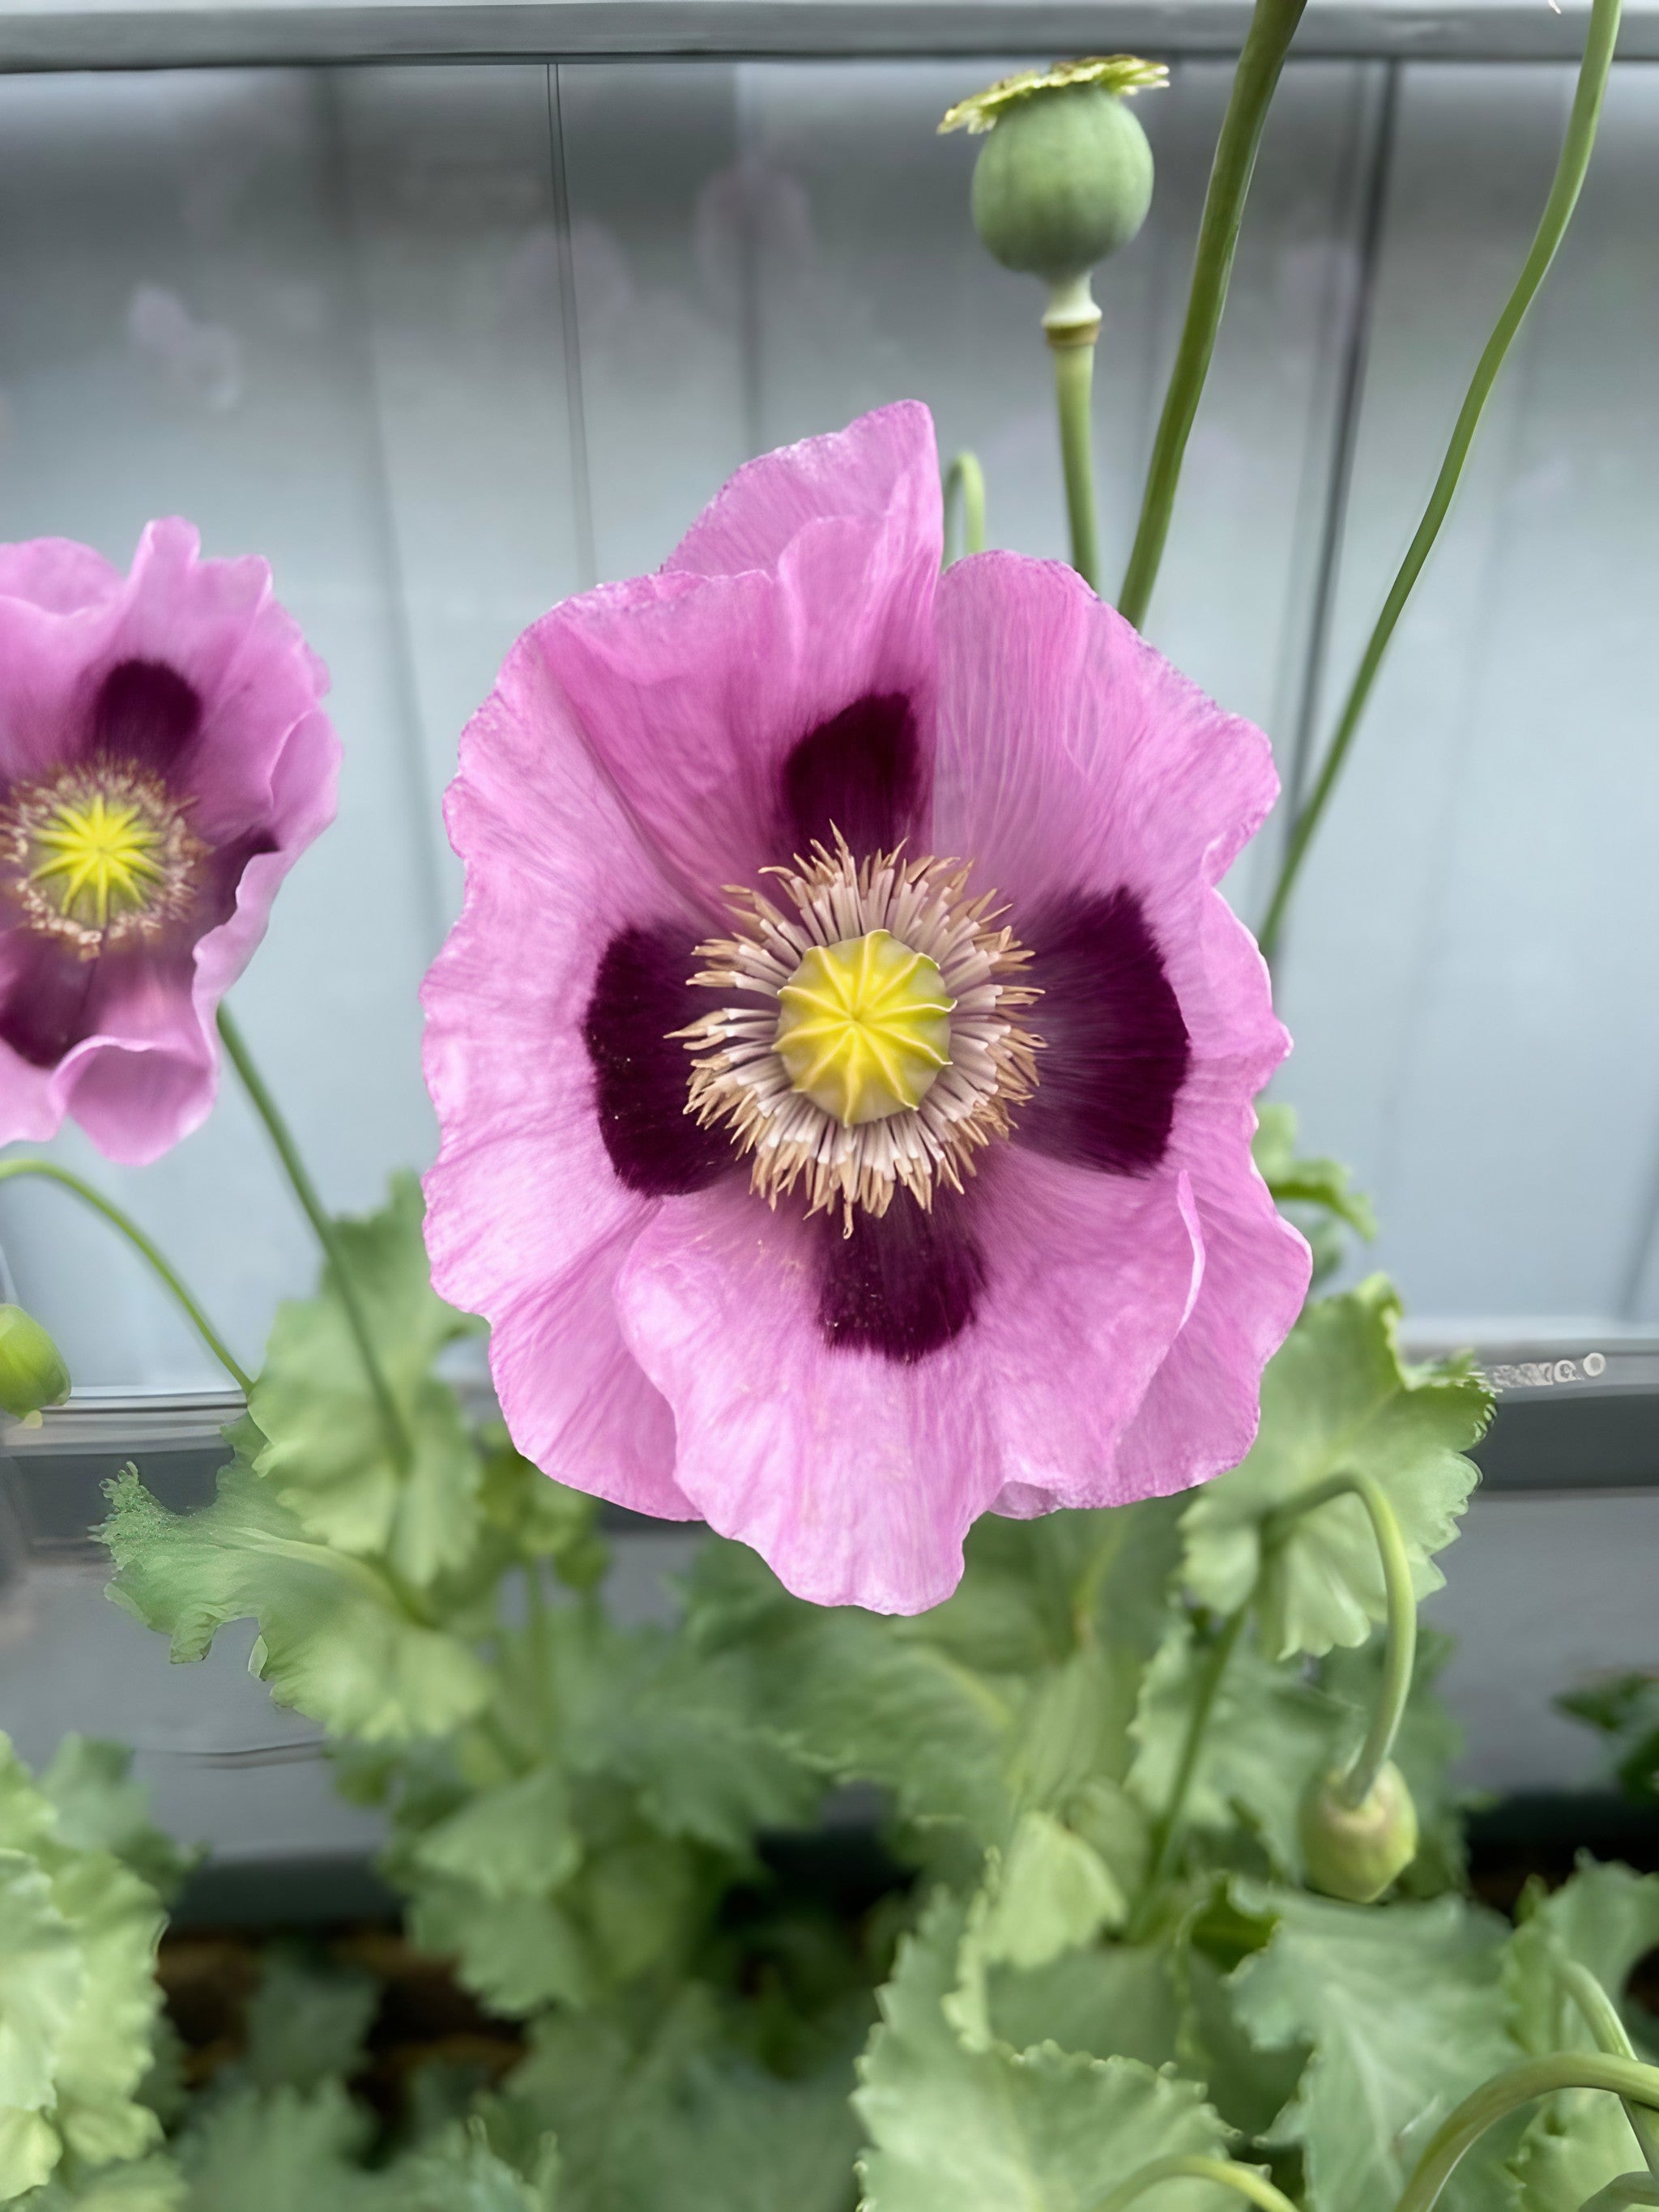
1578 1412
95 34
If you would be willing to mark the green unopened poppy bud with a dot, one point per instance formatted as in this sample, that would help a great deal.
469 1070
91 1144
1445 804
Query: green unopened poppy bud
32 1370
1355 1851
1066 177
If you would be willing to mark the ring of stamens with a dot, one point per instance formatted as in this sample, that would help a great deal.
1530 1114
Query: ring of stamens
99 856
739 1078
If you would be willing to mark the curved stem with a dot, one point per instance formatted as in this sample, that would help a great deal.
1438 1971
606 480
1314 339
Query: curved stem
964 486
49 1172
1576 151
1399 1655
1602 2018
398 1441
1629 2189
1168 1833
1273 25
1495 2100
1226 2172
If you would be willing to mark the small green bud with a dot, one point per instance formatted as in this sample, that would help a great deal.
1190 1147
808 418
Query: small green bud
1066 176
1355 1851
32 1370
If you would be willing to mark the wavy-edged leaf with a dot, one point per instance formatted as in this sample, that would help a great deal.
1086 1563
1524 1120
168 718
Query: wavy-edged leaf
43 1977
327 1455
1402 2008
459 2173
307 2021
99 1807
1336 1400
659 2113
1046 2129
279 2150
1606 1919
150 2184
336 1640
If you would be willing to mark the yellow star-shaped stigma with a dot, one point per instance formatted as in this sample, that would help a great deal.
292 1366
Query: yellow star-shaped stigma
864 1029
98 858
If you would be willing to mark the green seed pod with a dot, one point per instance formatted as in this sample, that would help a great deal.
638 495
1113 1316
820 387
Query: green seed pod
1355 1851
32 1370
1066 176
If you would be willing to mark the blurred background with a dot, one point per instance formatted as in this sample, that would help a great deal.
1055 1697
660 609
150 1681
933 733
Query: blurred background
447 341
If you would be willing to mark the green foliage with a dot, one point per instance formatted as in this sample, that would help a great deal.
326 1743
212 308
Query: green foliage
1089 1760
1336 1400
1403 2011
337 1638
1624 1709
1267 1733
326 1455
100 1807
1014 1696
78 2002
306 2022
1605 1918
662 2111
950 2123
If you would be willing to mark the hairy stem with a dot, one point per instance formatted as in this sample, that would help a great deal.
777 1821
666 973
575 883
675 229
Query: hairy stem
1496 2100
964 490
147 1250
1272 27
1602 2018
399 1442
1576 151
1226 2172
1400 1656
1172 1821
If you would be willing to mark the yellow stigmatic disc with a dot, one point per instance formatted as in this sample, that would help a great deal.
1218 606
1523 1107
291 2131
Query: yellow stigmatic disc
864 1029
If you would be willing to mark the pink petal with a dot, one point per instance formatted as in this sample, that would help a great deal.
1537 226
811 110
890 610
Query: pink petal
1071 754
690 689
856 1477
1200 1414
574 1399
523 1187
883 469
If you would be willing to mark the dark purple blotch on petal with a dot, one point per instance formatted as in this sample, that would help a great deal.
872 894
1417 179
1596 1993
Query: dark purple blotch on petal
1115 1049
861 773
46 1008
641 1073
905 1282
146 714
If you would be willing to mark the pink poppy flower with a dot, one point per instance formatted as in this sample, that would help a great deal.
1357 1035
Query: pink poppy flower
163 763
844 1058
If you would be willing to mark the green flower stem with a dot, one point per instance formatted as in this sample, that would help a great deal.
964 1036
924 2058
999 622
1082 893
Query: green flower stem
1576 151
964 487
146 1249
1226 2172
1172 1821
1602 2018
1272 26
399 1440
1496 2100
1400 1657
1071 325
